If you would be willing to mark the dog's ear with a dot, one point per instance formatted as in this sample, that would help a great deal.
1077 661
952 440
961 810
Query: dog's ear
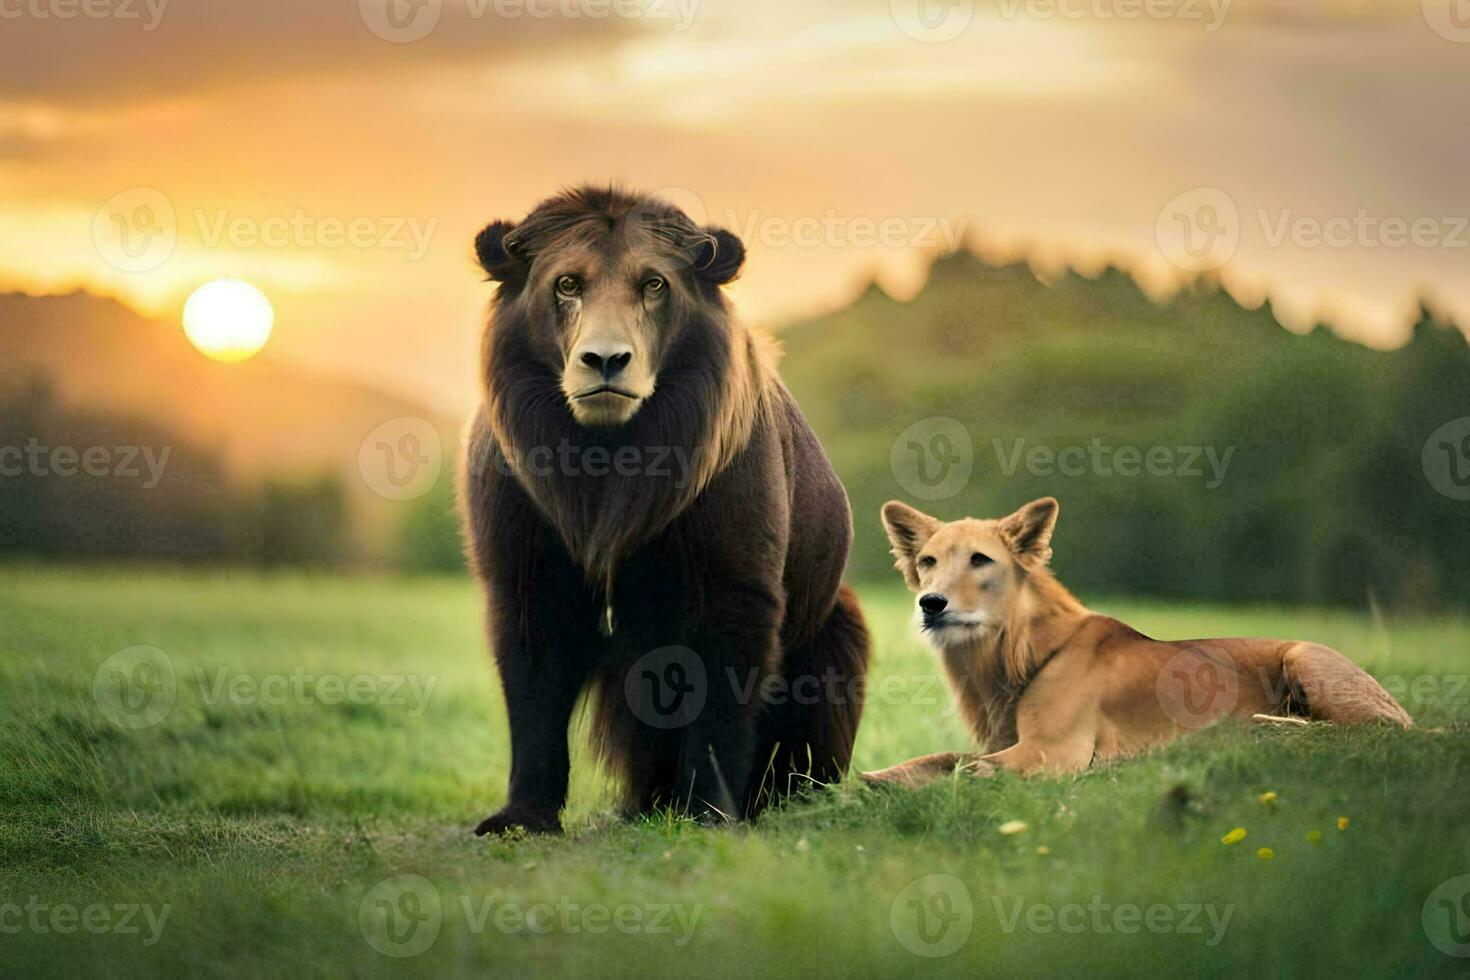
495 248
1028 532
907 529
719 257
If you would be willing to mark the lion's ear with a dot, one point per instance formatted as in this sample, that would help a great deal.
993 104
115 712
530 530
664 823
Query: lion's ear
496 253
719 257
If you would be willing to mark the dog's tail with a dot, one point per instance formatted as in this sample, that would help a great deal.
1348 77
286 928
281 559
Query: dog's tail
1336 689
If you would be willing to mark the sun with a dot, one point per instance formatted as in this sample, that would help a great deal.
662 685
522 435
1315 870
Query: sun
228 319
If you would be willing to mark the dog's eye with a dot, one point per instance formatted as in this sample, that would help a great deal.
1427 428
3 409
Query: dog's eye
569 286
927 562
978 560
654 286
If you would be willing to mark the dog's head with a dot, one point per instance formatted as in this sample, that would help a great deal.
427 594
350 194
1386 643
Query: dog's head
968 574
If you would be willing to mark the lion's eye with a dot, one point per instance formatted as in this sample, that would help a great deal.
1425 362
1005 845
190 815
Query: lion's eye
927 562
978 560
654 286
569 286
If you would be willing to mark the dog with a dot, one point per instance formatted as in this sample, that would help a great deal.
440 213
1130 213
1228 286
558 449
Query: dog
1051 687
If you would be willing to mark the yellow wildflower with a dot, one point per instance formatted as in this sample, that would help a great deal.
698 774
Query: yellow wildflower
1266 854
1342 823
1043 850
1234 837
1014 827
1268 797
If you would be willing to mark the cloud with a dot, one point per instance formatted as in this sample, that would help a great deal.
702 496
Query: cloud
110 51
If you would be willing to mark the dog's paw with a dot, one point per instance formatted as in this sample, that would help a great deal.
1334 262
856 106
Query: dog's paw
892 776
511 819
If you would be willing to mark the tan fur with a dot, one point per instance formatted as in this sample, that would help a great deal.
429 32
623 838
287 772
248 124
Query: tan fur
1051 687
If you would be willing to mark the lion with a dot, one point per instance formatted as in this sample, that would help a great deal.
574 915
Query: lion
655 527
1049 686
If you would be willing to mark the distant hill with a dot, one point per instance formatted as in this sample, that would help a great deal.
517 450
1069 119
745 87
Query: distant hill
259 419
1323 495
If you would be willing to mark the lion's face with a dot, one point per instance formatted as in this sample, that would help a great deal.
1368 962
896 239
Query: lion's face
610 313
607 283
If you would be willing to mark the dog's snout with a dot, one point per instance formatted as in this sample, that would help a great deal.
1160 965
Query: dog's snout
607 361
933 603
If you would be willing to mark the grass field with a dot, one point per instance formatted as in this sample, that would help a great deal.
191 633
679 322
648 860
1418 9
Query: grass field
303 809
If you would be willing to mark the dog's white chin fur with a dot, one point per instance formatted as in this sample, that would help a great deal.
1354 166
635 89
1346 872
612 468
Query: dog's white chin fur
959 629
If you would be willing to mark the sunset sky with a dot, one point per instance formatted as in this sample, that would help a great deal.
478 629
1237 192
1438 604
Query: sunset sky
341 159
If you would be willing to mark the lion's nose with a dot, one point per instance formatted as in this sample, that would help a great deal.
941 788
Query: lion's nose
608 361
933 603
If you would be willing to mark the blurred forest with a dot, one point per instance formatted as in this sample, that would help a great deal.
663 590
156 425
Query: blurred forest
1294 468
1324 498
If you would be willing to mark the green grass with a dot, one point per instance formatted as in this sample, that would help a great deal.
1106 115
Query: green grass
264 828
